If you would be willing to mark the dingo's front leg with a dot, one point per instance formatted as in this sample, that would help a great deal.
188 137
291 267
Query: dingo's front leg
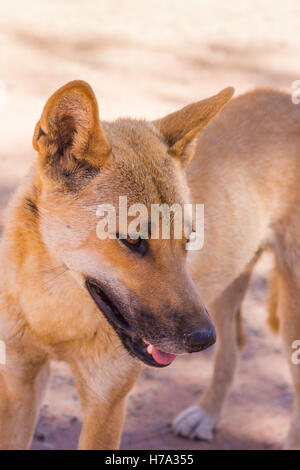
103 387
102 425
22 387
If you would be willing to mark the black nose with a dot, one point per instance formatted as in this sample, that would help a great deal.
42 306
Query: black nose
200 339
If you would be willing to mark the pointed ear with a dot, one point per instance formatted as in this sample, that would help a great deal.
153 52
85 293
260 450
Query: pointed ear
180 128
69 137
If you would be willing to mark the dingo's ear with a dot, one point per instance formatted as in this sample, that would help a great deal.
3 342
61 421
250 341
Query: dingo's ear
69 137
180 128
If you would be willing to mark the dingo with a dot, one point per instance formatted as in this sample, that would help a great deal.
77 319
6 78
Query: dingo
103 306
246 172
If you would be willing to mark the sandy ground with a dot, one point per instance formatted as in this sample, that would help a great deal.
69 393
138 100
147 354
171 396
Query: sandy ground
146 58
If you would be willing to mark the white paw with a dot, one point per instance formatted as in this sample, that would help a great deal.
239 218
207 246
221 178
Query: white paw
195 423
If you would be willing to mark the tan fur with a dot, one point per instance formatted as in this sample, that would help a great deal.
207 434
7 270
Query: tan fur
50 248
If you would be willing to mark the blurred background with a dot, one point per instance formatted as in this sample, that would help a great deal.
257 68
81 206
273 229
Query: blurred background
145 59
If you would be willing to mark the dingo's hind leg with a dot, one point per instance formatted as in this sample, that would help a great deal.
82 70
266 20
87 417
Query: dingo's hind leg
289 321
200 420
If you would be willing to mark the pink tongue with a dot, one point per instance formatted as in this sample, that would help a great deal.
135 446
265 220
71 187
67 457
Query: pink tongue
162 357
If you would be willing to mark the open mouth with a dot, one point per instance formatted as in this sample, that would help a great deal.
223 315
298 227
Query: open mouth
135 344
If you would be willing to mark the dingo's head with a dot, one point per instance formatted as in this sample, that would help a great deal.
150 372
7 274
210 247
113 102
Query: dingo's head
141 286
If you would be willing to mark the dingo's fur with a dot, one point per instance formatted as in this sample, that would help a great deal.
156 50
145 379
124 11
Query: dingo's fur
56 273
246 172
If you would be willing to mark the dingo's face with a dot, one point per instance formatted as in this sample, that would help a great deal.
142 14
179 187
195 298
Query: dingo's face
141 286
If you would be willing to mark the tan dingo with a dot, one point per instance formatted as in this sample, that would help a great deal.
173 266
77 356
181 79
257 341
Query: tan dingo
246 172
103 306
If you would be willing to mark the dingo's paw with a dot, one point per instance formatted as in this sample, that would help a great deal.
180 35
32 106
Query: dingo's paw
195 423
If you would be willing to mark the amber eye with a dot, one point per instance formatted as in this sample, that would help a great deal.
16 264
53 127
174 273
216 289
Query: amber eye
192 236
139 245
133 241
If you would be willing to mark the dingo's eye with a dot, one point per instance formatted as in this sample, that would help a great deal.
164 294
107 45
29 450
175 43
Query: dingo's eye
135 244
192 236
